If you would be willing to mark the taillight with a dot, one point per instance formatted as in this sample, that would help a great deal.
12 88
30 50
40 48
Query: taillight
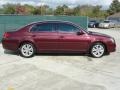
6 35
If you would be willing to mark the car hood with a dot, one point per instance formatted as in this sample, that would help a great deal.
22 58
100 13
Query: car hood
99 34
105 23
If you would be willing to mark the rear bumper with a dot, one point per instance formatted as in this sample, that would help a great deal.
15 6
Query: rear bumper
10 44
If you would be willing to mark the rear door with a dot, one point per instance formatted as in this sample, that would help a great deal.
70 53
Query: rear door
45 36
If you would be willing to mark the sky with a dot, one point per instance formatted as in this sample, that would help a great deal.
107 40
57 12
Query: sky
54 3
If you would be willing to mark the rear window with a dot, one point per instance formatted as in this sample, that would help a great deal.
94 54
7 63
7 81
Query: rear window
43 27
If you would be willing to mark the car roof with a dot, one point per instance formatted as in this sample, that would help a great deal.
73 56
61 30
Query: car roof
54 21
93 20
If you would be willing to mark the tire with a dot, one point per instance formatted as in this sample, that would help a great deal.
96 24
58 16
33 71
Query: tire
27 50
109 27
97 50
94 26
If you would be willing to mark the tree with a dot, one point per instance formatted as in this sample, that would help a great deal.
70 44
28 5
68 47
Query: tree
69 12
37 11
90 11
44 9
80 10
114 7
41 10
86 10
9 9
96 11
20 10
1 11
29 9
60 10
77 10
50 11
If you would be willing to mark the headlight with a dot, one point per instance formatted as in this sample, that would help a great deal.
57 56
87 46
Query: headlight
113 40
106 25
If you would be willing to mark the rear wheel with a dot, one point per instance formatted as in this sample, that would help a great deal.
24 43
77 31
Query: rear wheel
97 50
27 50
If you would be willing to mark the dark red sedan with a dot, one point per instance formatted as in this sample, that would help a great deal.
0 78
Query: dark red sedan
57 37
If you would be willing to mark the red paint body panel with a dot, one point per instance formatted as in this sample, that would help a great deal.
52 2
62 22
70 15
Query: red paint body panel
46 40
73 42
56 41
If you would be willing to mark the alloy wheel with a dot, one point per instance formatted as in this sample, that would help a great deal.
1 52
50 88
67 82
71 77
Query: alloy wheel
27 50
98 50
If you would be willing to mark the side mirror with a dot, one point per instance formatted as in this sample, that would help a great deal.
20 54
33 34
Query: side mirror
80 33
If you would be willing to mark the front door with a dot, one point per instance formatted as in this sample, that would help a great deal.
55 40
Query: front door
69 40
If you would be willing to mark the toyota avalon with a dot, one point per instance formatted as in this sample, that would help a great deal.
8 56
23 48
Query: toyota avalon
57 37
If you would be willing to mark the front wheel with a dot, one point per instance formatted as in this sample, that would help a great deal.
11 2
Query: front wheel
27 50
94 26
97 50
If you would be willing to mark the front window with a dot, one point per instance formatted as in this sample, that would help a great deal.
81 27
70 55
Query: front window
92 21
67 27
106 21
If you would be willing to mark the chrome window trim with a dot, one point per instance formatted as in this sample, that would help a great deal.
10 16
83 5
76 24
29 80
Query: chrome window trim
55 21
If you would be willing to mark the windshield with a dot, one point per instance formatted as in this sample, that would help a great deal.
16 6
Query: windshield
92 21
106 21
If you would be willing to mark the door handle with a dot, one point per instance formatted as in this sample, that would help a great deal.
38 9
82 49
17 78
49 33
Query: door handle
61 36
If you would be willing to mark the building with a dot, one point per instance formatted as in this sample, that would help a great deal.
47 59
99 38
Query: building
115 18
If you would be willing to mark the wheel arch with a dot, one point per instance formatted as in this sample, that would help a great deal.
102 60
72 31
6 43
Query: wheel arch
106 50
27 41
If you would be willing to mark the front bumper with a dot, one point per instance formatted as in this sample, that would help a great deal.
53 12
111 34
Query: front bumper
104 26
111 47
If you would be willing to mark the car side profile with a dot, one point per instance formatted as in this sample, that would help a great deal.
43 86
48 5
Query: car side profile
57 37
93 24
107 24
